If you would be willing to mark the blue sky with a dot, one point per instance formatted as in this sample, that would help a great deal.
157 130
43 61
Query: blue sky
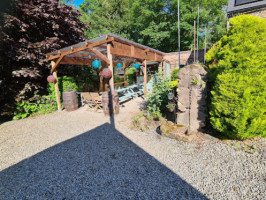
77 2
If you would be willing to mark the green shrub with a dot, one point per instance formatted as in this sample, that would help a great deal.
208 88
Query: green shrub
158 100
45 104
238 74
174 76
63 83
131 75
239 103
40 105
25 109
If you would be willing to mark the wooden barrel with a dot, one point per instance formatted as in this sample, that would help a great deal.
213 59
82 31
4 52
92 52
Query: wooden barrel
70 100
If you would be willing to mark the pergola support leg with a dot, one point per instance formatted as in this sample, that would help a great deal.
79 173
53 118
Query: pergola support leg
125 78
57 89
145 77
110 66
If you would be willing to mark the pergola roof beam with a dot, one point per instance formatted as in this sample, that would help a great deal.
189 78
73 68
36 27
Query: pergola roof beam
82 48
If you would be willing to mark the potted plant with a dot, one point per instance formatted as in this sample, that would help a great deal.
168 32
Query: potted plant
171 106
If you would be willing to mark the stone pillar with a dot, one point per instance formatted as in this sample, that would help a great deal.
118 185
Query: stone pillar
191 97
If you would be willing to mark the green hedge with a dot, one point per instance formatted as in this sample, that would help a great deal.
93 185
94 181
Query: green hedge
63 83
238 73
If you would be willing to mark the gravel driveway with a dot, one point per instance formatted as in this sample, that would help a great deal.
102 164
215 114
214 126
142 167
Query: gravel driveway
81 155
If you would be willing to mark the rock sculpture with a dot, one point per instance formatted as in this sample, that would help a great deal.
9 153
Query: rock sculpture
191 97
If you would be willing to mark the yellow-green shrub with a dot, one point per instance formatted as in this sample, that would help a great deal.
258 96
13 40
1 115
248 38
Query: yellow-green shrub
238 73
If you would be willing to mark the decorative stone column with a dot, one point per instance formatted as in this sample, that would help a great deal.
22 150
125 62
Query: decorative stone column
191 97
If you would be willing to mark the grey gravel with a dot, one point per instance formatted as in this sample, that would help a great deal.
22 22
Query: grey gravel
80 155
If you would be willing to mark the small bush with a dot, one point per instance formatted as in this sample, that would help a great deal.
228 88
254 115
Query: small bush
239 104
25 109
158 100
131 75
174 76
63 83
40 105
238 76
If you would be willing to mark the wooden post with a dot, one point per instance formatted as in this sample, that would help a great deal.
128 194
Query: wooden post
110 57
101 88
125 78
194 41
57 89
161 67
145 77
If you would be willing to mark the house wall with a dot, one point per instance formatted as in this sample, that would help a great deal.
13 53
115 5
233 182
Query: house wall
257 8
259 13
186 58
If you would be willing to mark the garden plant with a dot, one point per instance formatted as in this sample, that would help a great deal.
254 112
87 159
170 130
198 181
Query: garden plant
238 77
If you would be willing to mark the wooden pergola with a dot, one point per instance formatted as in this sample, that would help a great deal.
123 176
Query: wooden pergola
109 49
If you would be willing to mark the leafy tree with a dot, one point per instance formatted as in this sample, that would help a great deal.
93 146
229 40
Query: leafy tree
238 71
154 22
31 29
105 16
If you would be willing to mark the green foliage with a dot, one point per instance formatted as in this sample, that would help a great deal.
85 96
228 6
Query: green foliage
25 109
63 83
238 73
30 30
195 81
154 23
174 76
47 105
170 105
131 75
42 105
158 100
173 84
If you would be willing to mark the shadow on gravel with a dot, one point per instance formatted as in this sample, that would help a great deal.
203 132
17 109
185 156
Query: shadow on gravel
99 164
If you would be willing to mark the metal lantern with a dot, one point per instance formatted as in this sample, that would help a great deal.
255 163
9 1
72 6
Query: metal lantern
107 73
96 64
119 65
136 65
171 94
51 79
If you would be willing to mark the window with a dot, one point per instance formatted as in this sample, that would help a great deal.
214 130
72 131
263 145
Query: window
241 2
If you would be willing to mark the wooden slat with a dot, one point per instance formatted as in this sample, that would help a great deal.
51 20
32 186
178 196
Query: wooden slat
125 50
82 48
57 63
102 56
129 43
132 51
76 61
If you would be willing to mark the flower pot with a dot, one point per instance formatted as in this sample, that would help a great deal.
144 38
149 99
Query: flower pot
171 109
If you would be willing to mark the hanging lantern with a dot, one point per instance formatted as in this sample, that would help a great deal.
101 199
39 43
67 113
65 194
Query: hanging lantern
107 73
96 64
119 65
51 79
171 94
136 65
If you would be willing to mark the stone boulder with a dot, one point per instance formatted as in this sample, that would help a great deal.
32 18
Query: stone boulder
175 131
191 97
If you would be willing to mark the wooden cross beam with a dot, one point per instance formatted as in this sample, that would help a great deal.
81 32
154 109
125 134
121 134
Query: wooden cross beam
88 46
76 49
